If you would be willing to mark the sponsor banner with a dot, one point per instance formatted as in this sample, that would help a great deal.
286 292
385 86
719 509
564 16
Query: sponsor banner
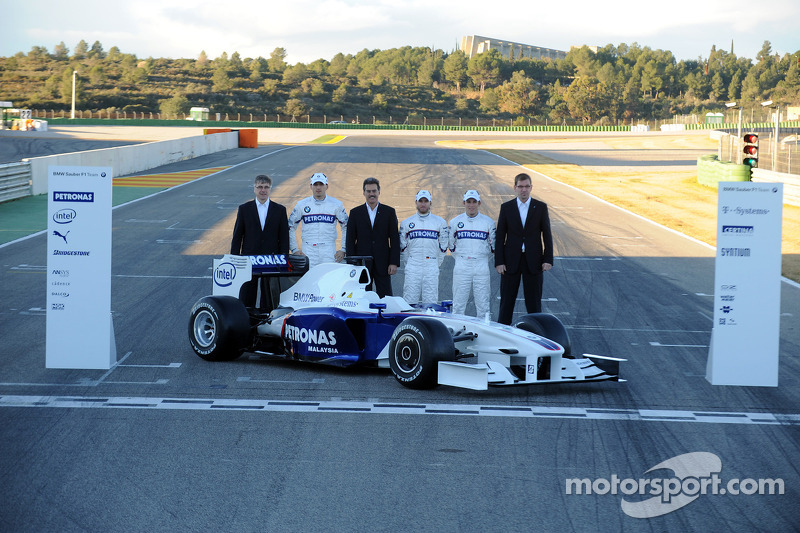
747 282
79 329
230 273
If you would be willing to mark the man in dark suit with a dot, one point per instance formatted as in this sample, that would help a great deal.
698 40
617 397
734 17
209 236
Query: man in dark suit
261 228
524 248
372 230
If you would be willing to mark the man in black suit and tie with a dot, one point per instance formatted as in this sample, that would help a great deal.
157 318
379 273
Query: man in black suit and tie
372 230
524 248
261 228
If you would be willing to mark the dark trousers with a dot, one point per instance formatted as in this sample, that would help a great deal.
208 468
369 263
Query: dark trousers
509 288
383 285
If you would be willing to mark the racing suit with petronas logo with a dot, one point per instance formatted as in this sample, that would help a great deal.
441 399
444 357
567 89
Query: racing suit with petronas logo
423 244
472 244
319 218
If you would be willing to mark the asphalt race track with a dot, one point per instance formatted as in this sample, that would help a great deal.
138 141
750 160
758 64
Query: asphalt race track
165 441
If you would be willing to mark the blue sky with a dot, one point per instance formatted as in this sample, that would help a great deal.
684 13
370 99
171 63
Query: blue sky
310 30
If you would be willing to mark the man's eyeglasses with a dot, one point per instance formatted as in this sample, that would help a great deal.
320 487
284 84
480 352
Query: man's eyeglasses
262 187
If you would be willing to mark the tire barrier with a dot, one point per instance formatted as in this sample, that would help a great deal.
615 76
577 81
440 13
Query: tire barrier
710 171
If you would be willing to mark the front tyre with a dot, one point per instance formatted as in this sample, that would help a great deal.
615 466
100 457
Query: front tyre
219 328
416 347
547 326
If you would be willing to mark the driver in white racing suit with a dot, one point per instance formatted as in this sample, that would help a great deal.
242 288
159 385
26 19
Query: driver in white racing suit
472 238
423 244
319 214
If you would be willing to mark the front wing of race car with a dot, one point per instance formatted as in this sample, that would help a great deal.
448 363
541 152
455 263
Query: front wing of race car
493 354
479 376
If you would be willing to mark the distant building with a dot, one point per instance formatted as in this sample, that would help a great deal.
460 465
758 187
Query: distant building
475 44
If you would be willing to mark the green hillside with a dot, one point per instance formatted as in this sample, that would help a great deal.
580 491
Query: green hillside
616 84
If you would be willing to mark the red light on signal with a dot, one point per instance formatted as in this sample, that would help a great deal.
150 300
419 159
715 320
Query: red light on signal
750 150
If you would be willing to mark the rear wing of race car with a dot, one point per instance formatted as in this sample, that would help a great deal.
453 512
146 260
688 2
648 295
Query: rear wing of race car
233 271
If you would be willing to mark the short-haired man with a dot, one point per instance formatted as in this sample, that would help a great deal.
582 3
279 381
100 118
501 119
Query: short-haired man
261 228
472 236
372 231
524 249
423 244
318 214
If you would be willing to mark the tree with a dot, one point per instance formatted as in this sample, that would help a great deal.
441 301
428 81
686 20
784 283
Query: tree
484 68
221 81
489 101
202 60
258 67
61 51
559 110
277 60
455 68
295 107
338 65
114 54
518 95
340 94
588 99
294 75
379 102
81 50
97 76
175 106
38 53
96 52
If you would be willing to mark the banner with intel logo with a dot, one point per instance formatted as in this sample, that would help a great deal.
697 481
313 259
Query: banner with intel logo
747 283
79 329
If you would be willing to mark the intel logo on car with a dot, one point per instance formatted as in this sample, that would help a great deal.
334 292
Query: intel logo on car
224 274
64 216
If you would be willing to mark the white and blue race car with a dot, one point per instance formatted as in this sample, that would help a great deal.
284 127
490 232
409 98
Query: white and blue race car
328 316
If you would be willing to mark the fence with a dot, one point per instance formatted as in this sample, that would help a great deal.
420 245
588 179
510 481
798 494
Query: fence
15 181
781 154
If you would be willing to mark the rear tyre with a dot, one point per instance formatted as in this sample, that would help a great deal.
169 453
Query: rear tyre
416 347
219 328
547 326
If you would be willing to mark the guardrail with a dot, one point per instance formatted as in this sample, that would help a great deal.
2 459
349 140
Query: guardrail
791 183
15 181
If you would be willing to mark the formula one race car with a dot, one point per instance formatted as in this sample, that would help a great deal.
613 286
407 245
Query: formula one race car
328 316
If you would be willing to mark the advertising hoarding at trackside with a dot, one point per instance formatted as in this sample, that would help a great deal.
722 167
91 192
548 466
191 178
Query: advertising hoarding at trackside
747 285
79 330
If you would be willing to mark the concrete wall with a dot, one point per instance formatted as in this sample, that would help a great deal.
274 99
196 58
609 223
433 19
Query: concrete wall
126 160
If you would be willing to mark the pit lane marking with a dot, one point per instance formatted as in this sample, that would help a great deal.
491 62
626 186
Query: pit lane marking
271 406
653 343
